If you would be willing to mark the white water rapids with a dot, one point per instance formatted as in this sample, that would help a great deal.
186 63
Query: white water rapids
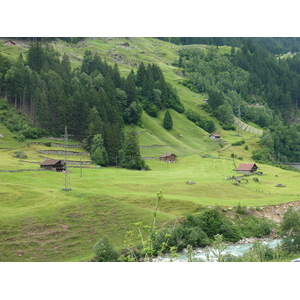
199 253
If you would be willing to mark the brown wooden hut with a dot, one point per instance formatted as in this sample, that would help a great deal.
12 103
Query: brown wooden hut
53 165
247 168
168 157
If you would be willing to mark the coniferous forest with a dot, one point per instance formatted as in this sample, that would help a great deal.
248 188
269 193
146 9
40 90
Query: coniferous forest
95 102
253 84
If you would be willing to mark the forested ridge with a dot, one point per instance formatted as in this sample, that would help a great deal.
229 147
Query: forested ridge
254 85
94 101
276 45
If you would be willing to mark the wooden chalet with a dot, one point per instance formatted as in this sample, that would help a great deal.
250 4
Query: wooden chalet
53 165
247 168
214 136
168 157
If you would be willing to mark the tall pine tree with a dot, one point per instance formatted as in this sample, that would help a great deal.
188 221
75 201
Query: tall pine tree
168 122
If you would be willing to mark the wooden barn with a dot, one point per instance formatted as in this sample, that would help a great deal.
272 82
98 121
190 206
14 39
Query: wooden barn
168 157
214 136
247 168
53 165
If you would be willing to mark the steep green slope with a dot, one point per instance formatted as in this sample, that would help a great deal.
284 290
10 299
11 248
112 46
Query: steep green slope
147 50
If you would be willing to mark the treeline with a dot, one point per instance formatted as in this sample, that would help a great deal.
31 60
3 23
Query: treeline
72 40
276 45
93 100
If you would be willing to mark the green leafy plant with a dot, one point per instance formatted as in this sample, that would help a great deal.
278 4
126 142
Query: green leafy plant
104 250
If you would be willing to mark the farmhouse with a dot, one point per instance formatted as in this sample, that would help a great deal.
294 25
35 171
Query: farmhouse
168 157
53 165
214 136
247 168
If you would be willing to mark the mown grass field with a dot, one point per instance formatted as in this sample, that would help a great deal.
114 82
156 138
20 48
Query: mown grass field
40 222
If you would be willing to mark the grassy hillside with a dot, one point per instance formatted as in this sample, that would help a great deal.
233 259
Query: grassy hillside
40 222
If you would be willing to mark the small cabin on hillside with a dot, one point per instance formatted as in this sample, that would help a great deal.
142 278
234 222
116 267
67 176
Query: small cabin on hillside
53 165
168 157
205 101
214 136
247 168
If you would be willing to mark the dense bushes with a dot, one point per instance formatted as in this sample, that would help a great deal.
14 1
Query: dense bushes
199 230
17 123
290 230
201 121
105 251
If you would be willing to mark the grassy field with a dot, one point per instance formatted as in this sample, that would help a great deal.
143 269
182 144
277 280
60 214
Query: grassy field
40 222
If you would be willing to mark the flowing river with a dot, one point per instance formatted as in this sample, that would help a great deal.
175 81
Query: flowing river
236 249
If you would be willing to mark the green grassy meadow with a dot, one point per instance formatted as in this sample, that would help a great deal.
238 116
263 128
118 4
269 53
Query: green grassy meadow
40 222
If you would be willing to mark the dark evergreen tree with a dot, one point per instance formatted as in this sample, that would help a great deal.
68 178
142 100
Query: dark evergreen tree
36 57
98 152
216 99
4 67
95 127
168 122
131 150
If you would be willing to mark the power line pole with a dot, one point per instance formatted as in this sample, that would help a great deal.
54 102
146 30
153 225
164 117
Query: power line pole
80 168
66 179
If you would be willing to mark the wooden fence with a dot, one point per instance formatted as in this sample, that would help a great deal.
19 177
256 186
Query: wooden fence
247 127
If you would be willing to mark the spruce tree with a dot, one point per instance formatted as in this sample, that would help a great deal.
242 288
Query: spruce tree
131 150
98 152
168 122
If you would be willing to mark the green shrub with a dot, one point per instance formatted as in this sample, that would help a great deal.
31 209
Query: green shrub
290 230
21 155
104 251
227 127
238 143
19 136
242 210
257 227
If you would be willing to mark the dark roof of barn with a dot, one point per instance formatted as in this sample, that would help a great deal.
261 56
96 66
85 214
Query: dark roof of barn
246 167
50 162
167 154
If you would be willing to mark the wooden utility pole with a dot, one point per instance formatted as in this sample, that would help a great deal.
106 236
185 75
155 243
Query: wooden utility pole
66 181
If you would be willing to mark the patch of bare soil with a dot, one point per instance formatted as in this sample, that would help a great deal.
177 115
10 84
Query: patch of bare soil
271 212
275 212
